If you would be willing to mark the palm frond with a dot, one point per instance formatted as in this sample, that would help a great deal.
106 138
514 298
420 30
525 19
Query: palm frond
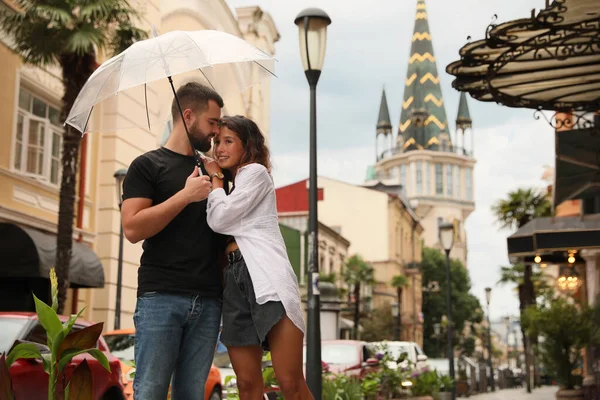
100 10
124 36
55 14
400 281
83 40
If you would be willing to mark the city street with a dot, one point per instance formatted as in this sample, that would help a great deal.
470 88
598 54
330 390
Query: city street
544 393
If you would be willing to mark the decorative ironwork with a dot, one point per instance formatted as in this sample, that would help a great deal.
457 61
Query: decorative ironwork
564 121
484 65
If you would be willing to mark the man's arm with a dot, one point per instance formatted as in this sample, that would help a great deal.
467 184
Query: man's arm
142 220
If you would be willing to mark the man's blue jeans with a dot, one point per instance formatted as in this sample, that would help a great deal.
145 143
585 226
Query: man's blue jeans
175 336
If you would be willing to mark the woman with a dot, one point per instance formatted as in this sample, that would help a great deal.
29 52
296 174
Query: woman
261 301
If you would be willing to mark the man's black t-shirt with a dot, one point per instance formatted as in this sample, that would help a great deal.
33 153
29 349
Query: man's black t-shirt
182 258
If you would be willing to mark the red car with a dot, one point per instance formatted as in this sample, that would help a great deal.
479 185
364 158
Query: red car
29 380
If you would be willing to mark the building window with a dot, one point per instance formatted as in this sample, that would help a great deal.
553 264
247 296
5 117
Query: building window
38 143
419 177
457 180
439 180
403 178
427 178
469 183
449 180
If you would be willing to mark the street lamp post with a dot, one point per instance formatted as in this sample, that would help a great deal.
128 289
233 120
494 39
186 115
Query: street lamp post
488 297
312 28
437 327
507 324
395 316
446 238
119 177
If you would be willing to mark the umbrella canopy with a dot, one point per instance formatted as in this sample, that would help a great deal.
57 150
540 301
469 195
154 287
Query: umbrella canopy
577 173
139 71
549 62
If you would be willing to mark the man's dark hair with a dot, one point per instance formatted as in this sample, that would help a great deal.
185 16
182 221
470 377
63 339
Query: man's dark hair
194 96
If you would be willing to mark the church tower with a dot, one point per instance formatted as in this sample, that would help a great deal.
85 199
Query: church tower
435 173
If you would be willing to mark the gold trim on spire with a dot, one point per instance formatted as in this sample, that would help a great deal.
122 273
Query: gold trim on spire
421 15
407 103
432 141
429 76
410 80
405 125
421 6
421 57
408 143
434 100
421 36
433 118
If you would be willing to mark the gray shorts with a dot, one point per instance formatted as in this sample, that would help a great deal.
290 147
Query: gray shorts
245 322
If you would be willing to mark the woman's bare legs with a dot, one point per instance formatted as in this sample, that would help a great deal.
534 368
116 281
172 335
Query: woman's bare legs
285 341
247 365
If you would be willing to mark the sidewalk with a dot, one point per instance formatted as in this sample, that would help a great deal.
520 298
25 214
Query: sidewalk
543 393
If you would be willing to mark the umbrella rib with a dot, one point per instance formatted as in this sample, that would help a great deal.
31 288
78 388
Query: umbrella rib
265 68
87 120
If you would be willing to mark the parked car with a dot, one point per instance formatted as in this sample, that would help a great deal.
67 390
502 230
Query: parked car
29 381
121 344
416 356
350 357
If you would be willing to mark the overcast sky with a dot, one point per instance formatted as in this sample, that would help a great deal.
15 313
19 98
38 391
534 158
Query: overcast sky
368 47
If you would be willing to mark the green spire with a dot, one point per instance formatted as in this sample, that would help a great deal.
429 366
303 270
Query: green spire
463 118
422 92
384 124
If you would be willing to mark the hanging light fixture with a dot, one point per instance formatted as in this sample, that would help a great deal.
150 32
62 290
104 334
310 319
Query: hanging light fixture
571 258
537 259
569 280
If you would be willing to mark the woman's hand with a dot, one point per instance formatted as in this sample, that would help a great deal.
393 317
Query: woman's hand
210 165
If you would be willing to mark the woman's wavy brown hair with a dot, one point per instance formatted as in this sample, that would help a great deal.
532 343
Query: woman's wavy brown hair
256 151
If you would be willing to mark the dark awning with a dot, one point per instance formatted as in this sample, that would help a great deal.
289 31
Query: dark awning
552 234
577 164
29 253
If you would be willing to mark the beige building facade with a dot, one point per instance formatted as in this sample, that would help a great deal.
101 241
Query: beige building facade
383 230
30 143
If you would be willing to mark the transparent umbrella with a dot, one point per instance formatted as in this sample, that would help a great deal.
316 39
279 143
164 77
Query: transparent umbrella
140 73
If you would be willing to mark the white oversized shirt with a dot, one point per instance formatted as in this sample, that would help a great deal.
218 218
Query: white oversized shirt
249 214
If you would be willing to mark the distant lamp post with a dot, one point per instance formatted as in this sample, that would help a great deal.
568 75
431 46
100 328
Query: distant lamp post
446 238
119 177
312 28
395 314
437 328
488 297
507 325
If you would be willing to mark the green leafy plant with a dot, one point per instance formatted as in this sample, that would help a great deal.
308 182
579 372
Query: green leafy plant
62 346
341 387
566 329
446 383
425 383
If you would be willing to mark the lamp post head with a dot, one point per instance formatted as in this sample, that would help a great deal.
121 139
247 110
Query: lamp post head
119 176
446 236
312 29
488 295
437 328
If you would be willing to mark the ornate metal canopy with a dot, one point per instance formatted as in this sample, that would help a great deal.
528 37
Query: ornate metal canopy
546 62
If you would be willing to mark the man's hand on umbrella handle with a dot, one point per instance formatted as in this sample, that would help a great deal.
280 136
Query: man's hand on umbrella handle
197 187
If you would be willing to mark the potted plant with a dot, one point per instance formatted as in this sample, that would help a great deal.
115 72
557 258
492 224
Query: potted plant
462 385
565 330
446 387
425 384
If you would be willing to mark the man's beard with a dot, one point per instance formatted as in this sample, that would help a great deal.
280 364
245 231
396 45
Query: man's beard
200 141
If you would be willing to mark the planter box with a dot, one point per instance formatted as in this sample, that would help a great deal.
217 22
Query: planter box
445 396
565 394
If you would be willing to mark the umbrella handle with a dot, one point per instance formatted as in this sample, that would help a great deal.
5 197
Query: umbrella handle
199 162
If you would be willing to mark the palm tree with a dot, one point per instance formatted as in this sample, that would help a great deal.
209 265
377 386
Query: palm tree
357 273
69 33
522 206
399 282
